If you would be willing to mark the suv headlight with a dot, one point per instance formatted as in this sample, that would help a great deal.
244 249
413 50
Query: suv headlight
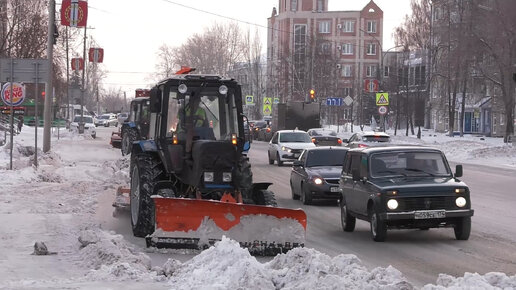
460 201
208 176
392 204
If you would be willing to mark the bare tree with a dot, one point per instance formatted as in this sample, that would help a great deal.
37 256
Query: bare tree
497 36
214 51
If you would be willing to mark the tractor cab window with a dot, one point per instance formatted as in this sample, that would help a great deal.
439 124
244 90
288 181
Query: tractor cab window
207 114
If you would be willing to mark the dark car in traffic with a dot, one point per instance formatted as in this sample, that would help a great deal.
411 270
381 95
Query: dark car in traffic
256 126
403 187
316 174
324 137
368 139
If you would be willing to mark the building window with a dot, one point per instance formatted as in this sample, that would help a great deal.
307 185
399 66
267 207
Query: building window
371 49
347 48
349 26
372 86
293 5
346 92
437 13
371 71
371 26
386 71
346 71
320 5
324 27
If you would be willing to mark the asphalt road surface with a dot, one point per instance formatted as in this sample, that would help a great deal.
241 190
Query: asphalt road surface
419 255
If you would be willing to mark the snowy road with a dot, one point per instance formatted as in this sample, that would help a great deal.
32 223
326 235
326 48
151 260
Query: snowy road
419 255
66 203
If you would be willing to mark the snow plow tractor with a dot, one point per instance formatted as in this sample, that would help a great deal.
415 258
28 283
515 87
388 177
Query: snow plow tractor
190 182
137 124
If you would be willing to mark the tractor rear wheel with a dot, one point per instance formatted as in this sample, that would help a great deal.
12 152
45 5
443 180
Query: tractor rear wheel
146 171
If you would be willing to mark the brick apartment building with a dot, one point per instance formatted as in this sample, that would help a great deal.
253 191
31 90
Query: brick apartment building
336 53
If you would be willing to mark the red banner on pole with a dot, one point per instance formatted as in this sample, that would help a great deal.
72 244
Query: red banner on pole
77 64
74 13
96 55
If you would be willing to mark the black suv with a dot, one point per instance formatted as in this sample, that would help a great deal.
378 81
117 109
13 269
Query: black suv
403 187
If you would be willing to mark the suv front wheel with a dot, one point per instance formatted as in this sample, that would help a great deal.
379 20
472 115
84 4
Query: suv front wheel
348 221
463 229
378 226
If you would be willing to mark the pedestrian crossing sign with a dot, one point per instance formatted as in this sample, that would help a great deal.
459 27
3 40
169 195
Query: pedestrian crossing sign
249 100
382 99
267 101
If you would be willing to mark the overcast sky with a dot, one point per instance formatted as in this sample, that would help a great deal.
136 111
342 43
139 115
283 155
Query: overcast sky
131 31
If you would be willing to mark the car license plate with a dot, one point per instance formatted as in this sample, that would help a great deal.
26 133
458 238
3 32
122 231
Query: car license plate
334 189
429 214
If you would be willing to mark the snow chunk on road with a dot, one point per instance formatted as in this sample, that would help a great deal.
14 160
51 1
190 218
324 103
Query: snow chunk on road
493 280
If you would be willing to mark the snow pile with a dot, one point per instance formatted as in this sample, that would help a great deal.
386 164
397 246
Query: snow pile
304 268
224 266
111 257
493 280
227 266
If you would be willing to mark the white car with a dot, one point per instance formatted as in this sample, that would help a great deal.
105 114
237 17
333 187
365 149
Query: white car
287 145
122 117
107 120
89 126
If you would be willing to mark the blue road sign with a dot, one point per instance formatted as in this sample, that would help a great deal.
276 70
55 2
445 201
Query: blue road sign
334 101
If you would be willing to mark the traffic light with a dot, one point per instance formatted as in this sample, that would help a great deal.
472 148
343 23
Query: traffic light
312 95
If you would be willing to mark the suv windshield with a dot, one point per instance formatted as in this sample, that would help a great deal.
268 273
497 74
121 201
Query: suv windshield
104 117
409 164
301 137
325 158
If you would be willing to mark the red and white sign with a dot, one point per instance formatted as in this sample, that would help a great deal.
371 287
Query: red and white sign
371 86
96 55
142 93
18 91
74 13
77 64
382 110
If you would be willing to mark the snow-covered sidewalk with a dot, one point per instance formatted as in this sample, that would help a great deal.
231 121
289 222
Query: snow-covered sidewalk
57 203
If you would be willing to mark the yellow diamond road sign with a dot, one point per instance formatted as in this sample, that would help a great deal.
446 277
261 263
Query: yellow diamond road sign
382 99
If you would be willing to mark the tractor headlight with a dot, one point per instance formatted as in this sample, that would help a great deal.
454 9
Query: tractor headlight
460 201
283 148
182 88
392 204
318 180
208 176
223 90
226 177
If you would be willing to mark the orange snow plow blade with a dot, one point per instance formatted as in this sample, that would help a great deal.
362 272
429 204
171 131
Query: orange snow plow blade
197 224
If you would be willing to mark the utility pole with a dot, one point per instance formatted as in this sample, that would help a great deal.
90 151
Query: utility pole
81 123
49 96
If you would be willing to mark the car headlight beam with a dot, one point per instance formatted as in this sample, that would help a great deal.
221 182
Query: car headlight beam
392 204
460 201
318 180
